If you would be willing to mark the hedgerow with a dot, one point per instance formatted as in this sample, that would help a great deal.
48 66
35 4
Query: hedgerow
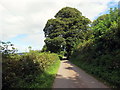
25 68
100 53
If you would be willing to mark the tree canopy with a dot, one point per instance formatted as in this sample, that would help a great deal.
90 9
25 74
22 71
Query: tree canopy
69 25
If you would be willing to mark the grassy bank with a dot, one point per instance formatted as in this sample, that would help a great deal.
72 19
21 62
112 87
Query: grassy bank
100 68
99 53
31 70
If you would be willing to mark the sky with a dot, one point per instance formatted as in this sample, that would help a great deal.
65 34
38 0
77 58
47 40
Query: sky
22 21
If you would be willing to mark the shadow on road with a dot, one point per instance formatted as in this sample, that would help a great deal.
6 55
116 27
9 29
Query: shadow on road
70 76
64 58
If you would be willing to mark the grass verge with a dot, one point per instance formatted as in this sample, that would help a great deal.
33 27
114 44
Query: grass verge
100 73
45 80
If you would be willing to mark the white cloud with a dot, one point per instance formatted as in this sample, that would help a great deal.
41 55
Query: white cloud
30 16
94 9
13 19
36 41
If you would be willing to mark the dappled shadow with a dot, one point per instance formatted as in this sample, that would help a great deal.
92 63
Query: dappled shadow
66 61
73 77
68 82
70 68
74 82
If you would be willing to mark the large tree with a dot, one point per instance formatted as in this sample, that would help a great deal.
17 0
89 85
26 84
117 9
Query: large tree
69 25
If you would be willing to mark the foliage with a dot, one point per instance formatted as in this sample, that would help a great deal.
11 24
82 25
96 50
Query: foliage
99 53
104 67
68 12
44 49
7 48
26 68
29 48
46 79
57 44
62 32
106 31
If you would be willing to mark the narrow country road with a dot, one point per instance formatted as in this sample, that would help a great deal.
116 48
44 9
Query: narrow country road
70 76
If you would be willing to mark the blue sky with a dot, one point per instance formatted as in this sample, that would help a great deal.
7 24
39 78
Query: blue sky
22 21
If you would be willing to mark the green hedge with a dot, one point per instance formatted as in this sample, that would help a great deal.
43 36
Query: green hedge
25 68
105 67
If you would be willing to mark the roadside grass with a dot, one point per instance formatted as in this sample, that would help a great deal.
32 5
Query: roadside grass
44 80
48 76
108 77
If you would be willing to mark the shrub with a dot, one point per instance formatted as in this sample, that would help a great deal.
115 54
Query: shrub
26 67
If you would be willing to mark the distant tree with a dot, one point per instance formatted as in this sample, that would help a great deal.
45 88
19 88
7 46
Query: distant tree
62 32
30 48
7 48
